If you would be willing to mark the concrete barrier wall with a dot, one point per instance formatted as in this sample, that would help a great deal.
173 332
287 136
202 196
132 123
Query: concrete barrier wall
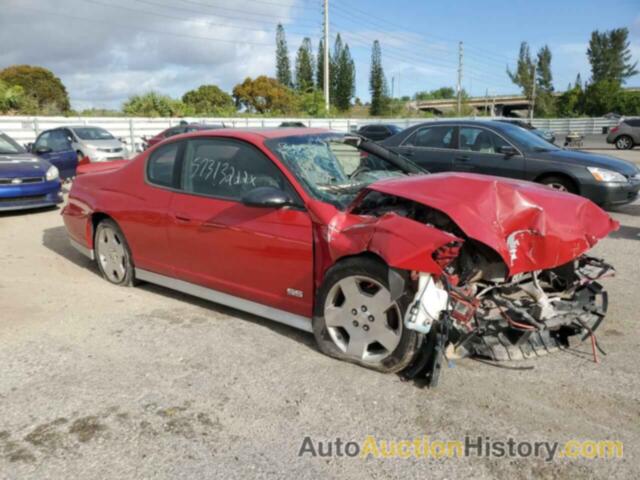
24 129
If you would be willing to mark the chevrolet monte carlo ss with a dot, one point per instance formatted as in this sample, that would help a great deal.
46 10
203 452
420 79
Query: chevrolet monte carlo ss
388 266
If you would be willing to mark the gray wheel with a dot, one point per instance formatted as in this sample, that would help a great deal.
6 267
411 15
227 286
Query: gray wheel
624 142
362 320
112 254
356 320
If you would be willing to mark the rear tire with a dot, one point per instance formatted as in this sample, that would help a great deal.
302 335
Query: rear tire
113 255
558 182
356 321
624 142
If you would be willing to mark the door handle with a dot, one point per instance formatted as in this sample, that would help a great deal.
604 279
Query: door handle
463 158
181 218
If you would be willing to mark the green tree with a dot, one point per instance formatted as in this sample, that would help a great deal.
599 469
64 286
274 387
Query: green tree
41 84
441 93
345 80
377 83
610 56
283 65
570 103
334 66
304 67
14 100
601 97
154 104
523 76
545 101
209 100
264 95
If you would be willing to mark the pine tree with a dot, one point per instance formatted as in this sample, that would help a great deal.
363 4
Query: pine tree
345 81
304 67
610 56
544 83
283 66
334 68
523 76
377 82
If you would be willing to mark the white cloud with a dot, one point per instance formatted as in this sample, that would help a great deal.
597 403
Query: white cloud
104 52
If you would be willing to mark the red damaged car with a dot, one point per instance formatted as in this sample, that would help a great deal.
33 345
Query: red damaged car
388 266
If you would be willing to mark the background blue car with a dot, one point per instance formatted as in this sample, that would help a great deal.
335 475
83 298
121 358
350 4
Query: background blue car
26 181
55 147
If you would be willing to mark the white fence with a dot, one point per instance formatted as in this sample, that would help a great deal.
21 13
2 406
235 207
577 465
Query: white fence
25 129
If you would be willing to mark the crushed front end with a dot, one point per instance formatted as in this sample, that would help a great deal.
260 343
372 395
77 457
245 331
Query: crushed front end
513 283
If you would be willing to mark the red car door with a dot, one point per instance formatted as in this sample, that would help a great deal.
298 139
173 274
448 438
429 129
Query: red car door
259 254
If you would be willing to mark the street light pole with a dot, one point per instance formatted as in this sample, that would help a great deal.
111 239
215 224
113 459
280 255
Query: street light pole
326 56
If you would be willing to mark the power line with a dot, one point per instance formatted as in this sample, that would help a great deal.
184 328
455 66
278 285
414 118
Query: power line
174 17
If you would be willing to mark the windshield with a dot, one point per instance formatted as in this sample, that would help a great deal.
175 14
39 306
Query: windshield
9 146
330 169
93 133
528 141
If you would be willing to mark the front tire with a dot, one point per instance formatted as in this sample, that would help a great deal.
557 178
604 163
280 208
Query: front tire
113 255
355 319
559 183
624 142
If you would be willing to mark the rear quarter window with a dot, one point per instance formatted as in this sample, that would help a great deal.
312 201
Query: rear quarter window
161 165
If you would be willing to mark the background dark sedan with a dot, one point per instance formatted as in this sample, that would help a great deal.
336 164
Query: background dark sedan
378 131
180 129
506 150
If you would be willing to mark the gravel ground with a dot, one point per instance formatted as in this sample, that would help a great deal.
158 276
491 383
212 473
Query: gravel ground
106 382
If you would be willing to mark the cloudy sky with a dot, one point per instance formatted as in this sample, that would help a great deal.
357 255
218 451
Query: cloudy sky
107 50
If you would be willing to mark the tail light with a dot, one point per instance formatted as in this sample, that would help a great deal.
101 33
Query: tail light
614 129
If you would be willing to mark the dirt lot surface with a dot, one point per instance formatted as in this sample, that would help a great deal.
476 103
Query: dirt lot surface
106 382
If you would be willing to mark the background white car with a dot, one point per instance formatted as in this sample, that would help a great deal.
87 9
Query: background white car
96 143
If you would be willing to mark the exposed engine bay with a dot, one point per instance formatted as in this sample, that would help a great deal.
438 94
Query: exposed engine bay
477 308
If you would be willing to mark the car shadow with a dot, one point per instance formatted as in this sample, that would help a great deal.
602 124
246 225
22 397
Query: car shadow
632 209
28 211
56 240
626 232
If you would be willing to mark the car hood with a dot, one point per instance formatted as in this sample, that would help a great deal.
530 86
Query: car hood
22 165
115 143
589 159
532 227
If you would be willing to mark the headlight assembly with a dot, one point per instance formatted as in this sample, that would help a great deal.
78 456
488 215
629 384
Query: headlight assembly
52 173
608 176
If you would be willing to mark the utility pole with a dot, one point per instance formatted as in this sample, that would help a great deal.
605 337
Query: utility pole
486 102
533 92
460 55
326 56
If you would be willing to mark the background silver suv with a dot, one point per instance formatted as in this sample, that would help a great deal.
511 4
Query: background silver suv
96 143
626 135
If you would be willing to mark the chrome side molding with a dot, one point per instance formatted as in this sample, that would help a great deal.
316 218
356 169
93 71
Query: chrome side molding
287 318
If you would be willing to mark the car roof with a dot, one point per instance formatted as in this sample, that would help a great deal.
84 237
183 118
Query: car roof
265 133
479 123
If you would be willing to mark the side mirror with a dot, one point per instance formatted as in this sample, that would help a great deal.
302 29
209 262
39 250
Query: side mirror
28 147
43 150
508 151
267 197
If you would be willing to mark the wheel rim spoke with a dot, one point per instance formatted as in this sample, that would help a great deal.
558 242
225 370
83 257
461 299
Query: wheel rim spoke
335 316
357 346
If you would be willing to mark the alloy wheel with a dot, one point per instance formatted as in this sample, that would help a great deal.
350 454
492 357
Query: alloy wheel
111 254
623 143
362 320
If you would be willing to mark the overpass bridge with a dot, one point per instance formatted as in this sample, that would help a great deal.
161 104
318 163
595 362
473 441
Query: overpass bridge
501 105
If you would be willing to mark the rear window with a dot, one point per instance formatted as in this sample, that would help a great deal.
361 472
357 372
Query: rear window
161 165
634 122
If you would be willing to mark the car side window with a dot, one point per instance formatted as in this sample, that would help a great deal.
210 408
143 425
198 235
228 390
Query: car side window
42 141
161 165
58 141
174 131
633 122
432 137
480 140
228 169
